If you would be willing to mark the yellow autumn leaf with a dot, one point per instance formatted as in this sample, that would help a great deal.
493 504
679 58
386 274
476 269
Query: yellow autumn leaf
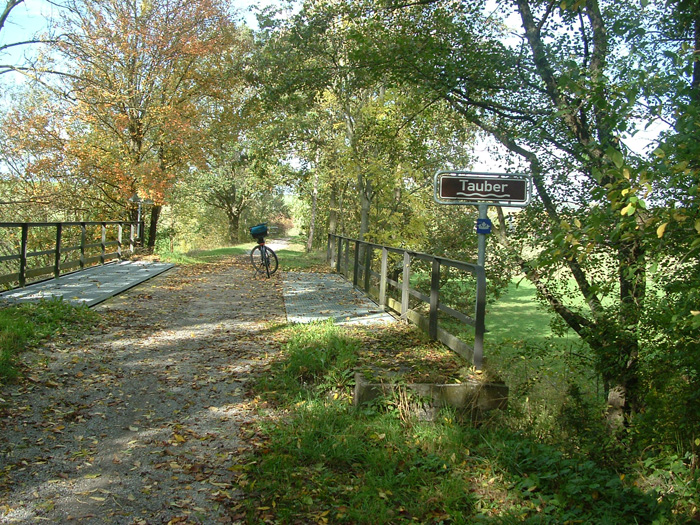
661 229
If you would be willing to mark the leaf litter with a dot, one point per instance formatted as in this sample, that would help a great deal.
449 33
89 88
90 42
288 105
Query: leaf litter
144 418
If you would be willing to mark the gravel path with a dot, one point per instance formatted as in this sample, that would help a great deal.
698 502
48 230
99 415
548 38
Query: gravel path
143 420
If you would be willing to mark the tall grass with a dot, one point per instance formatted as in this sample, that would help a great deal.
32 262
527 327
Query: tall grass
320 460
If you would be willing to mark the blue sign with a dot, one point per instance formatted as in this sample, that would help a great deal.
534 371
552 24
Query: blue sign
483 226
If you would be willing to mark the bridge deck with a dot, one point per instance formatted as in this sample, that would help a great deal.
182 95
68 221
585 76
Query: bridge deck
312 297
90 286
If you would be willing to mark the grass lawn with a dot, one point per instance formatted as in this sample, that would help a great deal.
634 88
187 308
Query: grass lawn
518 315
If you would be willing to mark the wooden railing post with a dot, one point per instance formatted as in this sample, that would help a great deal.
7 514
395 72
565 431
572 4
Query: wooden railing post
434 299
120 233
356 264
23 255
132 241
347 258
338 263
103 243
368 265
57 257
83 238
405 283
329 254
383 277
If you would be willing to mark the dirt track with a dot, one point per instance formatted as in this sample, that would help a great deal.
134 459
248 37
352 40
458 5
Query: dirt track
139 422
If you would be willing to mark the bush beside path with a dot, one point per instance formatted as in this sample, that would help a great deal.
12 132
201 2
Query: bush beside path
139 420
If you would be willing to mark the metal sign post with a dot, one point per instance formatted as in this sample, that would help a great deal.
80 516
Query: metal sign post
483 228
482 190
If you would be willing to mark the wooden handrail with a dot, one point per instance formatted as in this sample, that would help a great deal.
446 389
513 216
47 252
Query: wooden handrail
338 254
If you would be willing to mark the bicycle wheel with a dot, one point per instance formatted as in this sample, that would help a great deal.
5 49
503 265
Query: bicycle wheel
264 260
272 262
256 259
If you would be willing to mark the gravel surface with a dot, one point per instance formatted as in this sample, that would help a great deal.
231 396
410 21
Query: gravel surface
142 420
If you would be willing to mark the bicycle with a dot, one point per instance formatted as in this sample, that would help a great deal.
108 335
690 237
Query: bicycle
264 259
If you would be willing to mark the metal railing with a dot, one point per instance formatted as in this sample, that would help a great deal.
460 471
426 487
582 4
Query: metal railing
360 267
31 250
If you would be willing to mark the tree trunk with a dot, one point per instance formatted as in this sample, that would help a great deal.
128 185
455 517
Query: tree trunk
234 222
153 227
333 211
365 205
314 209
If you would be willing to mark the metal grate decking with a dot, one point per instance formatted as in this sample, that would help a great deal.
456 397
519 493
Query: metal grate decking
90 286
312 297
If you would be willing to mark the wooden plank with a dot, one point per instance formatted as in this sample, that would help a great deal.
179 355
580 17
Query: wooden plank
356 265
43 252
9 278
434 299
382 278
57 251
405 285
69 265
457 315
83 235
23 256
89 261
38 272
368 265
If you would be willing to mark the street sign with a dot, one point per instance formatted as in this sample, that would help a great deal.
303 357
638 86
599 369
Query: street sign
483 226
493 189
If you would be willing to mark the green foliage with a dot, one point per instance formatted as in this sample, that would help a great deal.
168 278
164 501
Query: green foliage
323 460
671 367
570 487
319 356
24 325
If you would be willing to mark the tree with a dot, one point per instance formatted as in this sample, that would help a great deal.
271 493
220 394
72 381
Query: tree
362 139
561 94
138 72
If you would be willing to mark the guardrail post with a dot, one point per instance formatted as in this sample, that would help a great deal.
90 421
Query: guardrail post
368 265
83 237
339 255
23 255
356 264
103 245
434 299
329 254
347 258
382 278
405 283
57 258
120 233
132 242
